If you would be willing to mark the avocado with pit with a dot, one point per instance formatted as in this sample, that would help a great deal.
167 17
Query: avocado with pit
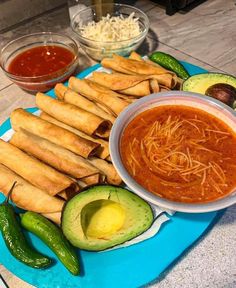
199 83
104 216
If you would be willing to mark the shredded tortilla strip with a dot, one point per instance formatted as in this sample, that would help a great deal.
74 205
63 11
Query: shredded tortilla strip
217 131
132 161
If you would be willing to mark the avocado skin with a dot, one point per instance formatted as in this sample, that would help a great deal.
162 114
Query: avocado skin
199 83
72 227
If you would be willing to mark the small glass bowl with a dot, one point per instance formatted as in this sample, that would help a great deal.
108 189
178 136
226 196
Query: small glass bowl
190 99
98 49
45 82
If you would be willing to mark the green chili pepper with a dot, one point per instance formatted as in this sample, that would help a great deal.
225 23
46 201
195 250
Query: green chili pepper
53 237
15 239
169 62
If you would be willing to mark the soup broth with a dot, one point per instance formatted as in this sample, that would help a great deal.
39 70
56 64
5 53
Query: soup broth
180 153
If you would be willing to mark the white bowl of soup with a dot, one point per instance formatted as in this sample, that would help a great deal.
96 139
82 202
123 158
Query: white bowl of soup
177 150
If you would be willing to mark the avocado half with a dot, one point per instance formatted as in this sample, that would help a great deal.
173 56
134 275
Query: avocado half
104 216
199 83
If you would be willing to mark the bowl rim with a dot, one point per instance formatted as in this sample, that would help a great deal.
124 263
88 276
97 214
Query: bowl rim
22 78
140 36
135 109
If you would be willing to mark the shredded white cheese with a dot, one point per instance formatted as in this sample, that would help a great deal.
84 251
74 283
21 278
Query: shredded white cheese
111 28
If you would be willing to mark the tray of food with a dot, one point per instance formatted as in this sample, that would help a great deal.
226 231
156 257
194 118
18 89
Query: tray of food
67 217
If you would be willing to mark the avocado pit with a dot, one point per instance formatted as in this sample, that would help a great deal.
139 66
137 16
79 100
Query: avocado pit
223 92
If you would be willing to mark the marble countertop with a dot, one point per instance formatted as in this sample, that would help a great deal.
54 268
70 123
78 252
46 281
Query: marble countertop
205 36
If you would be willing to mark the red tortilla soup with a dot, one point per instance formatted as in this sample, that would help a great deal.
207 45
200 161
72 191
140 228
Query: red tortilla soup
180 153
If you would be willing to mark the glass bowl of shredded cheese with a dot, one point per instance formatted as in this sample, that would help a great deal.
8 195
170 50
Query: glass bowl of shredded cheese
110 28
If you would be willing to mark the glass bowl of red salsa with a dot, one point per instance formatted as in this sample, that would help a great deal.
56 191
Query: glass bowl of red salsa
36 62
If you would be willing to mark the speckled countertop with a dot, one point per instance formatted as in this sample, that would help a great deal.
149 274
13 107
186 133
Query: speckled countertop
205 36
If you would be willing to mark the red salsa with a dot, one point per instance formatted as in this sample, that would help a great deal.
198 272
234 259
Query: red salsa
40 60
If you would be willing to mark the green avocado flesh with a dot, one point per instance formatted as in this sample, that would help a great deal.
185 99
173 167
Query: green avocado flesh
200 82
104 216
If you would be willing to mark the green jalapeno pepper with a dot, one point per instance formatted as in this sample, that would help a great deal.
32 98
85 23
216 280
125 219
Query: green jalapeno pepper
53 237
15 239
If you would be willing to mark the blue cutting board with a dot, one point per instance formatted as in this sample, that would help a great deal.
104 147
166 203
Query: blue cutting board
129 267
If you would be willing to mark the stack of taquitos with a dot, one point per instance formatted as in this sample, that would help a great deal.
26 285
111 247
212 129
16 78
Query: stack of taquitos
102 152
74 116
22 119
53 142
130 78
50 162
134 76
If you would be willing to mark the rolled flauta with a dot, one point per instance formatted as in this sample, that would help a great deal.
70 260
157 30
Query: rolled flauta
102 151
137 67
134 55
55 217
166 79
154 86
132 66
68 95
33 170
135 85
92 180
139 90
117 81
74 116
102 95
53 133
54 155
112 177
27 196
